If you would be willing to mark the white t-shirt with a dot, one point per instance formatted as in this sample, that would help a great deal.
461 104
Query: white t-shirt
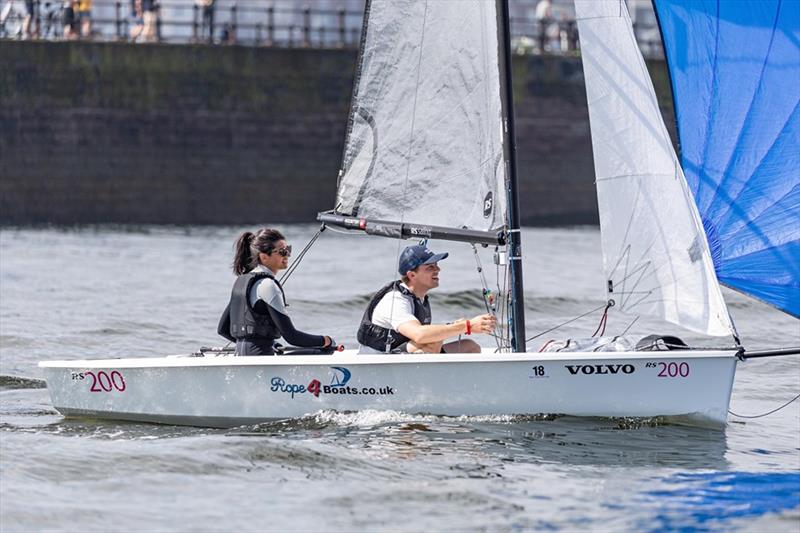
392 310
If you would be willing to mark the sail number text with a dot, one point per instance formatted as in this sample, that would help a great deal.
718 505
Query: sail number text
671 370
102 381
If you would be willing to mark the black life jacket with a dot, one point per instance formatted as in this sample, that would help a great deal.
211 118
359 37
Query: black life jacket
247 321
375 336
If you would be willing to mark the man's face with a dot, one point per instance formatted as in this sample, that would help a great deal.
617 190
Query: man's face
425 276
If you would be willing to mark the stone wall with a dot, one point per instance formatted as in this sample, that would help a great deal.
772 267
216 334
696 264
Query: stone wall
165 134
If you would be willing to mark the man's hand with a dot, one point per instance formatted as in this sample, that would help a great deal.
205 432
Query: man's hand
483 324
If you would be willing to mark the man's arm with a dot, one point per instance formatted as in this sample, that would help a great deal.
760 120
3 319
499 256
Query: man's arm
420 334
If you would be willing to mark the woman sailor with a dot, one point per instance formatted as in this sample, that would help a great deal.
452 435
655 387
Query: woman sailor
256 315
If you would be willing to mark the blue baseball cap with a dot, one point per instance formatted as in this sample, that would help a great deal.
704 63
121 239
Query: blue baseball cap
414 256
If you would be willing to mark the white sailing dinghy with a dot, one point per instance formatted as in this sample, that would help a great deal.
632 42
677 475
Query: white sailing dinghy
430 154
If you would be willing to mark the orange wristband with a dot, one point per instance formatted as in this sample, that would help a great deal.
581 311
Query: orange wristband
469 328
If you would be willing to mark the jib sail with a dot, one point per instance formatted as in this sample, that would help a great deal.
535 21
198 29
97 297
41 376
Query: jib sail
655 254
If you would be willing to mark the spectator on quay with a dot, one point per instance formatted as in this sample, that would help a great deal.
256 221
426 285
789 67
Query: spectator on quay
150 16
85 18
544 17
70 20
136 20
30 25
206 8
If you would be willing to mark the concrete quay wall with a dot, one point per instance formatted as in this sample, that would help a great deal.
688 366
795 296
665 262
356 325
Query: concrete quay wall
183 134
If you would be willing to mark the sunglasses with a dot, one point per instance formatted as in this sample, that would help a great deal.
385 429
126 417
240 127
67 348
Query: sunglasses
286 251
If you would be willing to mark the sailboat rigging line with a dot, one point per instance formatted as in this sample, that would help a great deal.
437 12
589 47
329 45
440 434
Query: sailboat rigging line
565 323
389 338
300 256
603 320
768 412
629 326
486 293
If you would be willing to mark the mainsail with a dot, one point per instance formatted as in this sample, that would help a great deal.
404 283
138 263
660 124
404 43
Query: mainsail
735 70
425 137
655 254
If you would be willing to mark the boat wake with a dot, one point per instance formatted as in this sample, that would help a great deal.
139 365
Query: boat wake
372 418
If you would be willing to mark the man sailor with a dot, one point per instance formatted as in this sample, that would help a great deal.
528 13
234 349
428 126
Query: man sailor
398 317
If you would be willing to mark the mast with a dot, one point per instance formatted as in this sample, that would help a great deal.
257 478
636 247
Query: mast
514 241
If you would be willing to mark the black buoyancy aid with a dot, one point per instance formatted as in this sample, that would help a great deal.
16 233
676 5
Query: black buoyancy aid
375 336
247 322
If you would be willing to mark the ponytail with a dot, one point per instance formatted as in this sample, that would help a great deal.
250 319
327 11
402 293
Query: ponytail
249 245
243 255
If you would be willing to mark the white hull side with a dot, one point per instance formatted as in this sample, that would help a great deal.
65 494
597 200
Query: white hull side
229 391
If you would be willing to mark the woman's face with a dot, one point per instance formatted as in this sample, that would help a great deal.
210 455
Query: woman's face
278 258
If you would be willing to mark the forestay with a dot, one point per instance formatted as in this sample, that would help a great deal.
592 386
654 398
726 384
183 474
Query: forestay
735 70
655 254
425 137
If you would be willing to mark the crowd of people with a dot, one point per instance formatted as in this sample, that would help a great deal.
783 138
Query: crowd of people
72 20
542 26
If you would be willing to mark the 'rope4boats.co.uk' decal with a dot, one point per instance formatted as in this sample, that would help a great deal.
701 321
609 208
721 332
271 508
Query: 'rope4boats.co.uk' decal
338 385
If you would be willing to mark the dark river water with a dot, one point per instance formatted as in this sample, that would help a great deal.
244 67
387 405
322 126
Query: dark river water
91 293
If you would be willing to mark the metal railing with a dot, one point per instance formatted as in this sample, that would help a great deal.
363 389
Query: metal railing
249 23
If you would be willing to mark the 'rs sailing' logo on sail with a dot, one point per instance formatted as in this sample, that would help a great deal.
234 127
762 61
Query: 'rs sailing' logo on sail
338 385
487 205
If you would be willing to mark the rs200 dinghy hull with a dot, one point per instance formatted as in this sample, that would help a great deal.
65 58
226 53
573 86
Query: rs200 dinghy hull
226 391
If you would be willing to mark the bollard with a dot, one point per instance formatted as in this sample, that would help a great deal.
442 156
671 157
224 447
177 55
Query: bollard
232 33
195 23
306 26
270 26
118 19
342 28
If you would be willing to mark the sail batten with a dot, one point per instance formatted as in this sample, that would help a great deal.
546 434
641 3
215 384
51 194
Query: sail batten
738 115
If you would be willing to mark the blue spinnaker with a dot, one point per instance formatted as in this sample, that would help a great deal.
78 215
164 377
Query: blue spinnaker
735 70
